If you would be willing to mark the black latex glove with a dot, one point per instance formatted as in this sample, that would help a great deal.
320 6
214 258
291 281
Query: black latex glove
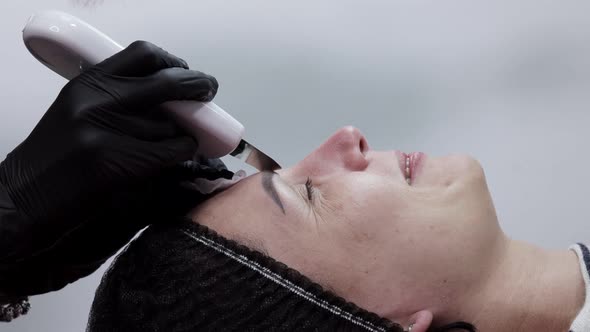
85 248
95 165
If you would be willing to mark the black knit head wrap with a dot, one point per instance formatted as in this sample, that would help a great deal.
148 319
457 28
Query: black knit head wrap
188 278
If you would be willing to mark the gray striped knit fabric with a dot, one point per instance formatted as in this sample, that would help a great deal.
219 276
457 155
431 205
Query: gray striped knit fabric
582 321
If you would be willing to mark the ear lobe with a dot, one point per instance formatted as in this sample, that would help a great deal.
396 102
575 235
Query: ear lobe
421 321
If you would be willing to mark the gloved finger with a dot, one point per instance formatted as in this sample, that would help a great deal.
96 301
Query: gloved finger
172 190
173 151
152 126
210 169
141 58
168 85
132 160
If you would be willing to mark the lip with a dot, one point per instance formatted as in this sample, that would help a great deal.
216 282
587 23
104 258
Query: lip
415 163
401 158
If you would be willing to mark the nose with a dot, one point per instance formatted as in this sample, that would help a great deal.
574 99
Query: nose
346 149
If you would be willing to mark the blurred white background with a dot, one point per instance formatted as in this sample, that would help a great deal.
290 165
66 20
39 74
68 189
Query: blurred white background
505 81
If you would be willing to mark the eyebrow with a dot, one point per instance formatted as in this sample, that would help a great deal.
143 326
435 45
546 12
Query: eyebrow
270 189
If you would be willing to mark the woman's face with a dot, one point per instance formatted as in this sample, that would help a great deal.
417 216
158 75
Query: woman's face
362 231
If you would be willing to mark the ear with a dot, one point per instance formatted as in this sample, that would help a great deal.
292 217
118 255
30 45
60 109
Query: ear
421 321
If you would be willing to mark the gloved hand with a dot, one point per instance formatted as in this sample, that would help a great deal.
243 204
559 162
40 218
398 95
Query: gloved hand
98 163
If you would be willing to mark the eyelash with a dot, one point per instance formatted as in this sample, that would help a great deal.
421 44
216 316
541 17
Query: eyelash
309 187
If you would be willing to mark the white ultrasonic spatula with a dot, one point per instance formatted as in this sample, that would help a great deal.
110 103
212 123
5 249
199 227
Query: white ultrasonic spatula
68 46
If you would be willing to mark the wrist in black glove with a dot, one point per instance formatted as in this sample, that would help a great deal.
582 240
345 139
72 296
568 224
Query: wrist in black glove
101 151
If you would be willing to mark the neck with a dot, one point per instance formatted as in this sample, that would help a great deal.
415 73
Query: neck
532 289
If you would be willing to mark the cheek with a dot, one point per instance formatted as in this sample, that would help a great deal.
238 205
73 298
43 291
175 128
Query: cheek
365 196
469 199
461 215
457 224
366 211
462 202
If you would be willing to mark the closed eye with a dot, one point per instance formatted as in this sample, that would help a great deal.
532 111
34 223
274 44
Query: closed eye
309 188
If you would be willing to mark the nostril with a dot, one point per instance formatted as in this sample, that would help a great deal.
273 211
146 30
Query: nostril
363 145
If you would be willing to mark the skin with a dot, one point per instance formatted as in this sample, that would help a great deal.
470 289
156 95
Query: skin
427 254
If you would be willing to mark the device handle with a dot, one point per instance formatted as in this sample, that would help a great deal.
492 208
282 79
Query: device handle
68 45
